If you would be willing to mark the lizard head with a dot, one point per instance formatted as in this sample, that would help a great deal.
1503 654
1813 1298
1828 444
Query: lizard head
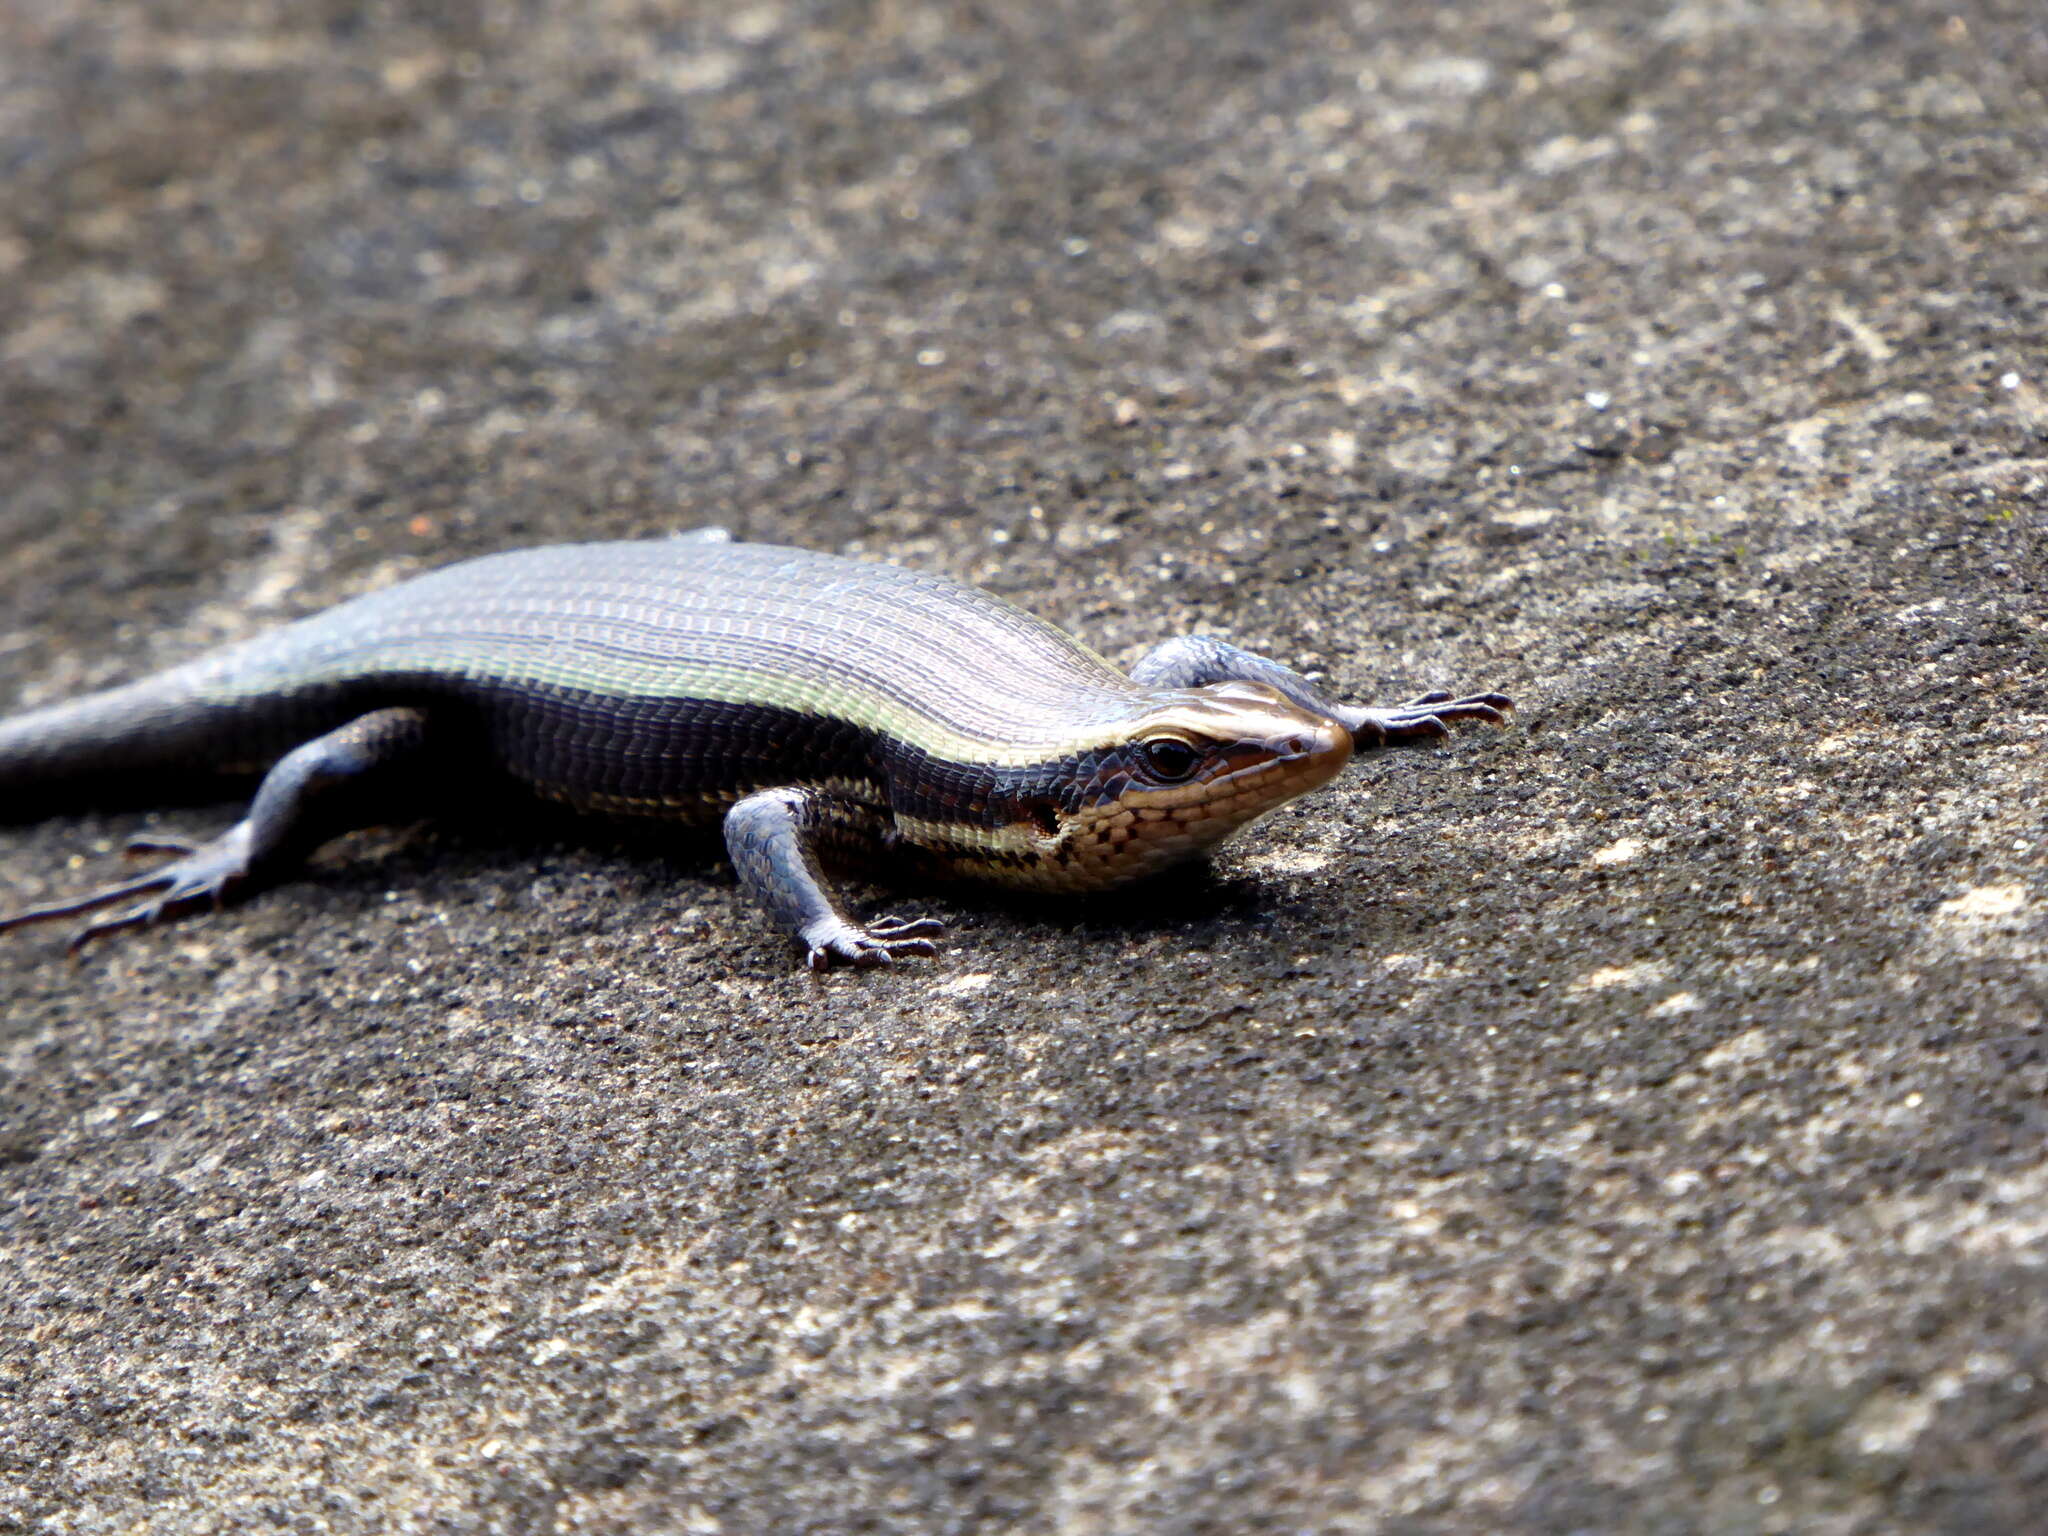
1196 766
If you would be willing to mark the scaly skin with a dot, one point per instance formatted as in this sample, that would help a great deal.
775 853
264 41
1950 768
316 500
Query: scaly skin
817 704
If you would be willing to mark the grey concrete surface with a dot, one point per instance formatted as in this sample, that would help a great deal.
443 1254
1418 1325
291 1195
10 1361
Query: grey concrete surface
1633 1121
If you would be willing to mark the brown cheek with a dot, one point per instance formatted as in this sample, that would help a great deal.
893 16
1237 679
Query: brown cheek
1117 846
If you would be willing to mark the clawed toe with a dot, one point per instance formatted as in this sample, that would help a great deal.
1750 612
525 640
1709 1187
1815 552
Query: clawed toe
204 876
1493 708
138 847
139 916
1430 727
892 928
877 944
1427 718
53 911
1472 709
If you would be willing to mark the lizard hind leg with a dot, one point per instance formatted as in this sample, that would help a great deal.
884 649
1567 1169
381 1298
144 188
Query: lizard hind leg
326 786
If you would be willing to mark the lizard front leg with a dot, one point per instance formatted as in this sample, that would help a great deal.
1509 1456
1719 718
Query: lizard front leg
772 836
1193 661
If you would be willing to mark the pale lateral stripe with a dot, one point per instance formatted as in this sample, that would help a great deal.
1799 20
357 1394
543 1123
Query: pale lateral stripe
620 675
956 672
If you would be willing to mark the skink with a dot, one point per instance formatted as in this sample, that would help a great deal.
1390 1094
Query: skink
826 708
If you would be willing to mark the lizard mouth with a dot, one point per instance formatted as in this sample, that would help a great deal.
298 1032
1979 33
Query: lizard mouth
1312 753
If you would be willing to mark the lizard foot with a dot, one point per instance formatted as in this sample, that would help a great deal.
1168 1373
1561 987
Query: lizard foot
879 943
1427 718
204 874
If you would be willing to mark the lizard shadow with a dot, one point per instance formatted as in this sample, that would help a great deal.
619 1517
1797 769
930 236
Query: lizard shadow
495 834
489 835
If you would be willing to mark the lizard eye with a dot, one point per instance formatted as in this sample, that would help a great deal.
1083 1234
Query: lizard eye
1170 759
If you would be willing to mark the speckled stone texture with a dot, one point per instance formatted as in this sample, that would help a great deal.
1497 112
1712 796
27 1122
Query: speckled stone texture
1634 1121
